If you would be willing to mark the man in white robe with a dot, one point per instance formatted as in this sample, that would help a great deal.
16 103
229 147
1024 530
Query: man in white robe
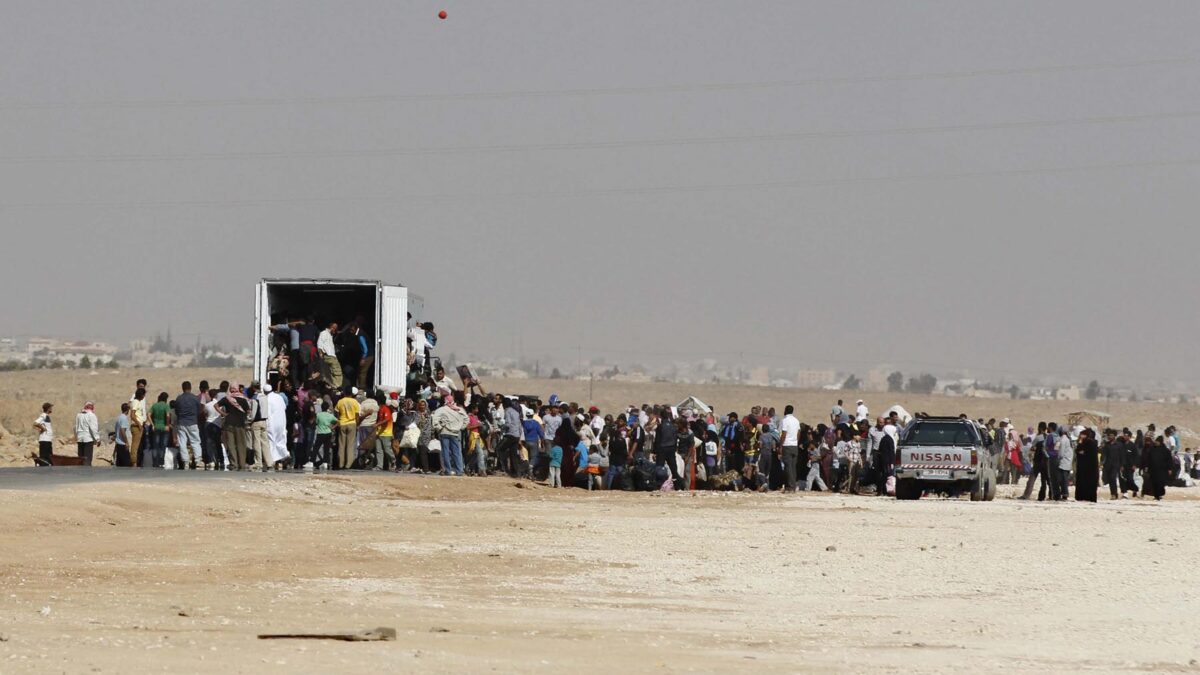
276 428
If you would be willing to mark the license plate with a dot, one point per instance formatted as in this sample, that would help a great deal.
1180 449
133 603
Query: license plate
935 473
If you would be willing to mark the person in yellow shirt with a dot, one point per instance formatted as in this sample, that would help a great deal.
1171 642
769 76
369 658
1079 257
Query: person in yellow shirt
476 450
347 411
385 457
137 423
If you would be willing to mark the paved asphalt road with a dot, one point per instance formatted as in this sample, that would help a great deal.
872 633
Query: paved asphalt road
30 478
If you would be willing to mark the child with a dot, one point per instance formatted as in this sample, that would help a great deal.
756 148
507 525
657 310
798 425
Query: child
556 457
475 450
595 476
712 453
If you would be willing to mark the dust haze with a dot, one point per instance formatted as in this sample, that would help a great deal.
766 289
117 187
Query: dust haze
1007 187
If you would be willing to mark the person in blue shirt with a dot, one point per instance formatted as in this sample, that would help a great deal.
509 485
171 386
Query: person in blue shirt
556 457
121 436
534 435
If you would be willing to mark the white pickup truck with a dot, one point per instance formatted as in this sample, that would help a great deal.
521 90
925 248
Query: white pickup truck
945 455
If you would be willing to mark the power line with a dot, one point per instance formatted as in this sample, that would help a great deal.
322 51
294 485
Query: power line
648 143
596 91
661 189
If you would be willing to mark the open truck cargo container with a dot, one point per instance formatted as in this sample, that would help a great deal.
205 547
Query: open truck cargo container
383 307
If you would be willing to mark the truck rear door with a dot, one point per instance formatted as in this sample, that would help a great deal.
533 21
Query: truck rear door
392 348
262 331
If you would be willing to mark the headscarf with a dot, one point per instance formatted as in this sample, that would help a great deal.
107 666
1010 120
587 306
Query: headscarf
235 397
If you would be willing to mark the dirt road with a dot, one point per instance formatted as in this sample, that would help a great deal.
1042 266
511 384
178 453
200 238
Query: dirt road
180 574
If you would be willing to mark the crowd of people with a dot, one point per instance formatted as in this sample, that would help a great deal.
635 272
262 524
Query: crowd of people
444 428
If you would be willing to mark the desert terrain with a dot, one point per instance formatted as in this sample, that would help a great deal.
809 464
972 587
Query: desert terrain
111 570
180 572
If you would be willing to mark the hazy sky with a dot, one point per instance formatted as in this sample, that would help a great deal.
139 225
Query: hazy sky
1008 186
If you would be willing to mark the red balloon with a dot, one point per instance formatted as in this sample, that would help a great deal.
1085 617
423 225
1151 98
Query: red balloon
442 15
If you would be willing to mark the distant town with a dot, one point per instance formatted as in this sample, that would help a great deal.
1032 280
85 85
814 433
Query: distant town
161 352
158 352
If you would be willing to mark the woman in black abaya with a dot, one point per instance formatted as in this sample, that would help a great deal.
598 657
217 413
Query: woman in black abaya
1087 467
1157 461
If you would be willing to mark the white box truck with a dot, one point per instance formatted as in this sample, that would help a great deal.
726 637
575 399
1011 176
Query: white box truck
383 308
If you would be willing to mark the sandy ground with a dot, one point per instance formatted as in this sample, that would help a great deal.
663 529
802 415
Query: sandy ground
179 573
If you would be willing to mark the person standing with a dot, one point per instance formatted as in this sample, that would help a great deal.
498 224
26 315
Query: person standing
45 434
508 451
349 354
332 372
214 453
666 445
308 362
861 412
836 413
1051 444
886 464
556 461
449 420
1157 462
87 432
121 438
187 427
348 411
476 448
234 410
769 451
366 362
256 425
1129 462
368 417
160 418
276 411
618 456
1087 467
850 452
532 430
1112 453
324 424
1066 457
424 424
137 424
385 457
1039 461
814 466
550 423
789 448
566 439
733 435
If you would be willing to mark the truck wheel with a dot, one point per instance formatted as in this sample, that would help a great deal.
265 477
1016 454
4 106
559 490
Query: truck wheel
907 490
978 488
989 494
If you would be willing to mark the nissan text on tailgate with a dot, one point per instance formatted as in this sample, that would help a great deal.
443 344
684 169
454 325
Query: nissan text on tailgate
944 455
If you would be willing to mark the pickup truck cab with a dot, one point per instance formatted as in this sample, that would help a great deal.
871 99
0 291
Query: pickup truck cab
946 455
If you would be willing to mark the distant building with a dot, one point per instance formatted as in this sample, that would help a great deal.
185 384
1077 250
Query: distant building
759 377
69 351
1070 393
817 379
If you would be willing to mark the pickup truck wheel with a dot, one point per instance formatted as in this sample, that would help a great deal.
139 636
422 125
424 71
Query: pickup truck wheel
907 490
989 494
978 489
